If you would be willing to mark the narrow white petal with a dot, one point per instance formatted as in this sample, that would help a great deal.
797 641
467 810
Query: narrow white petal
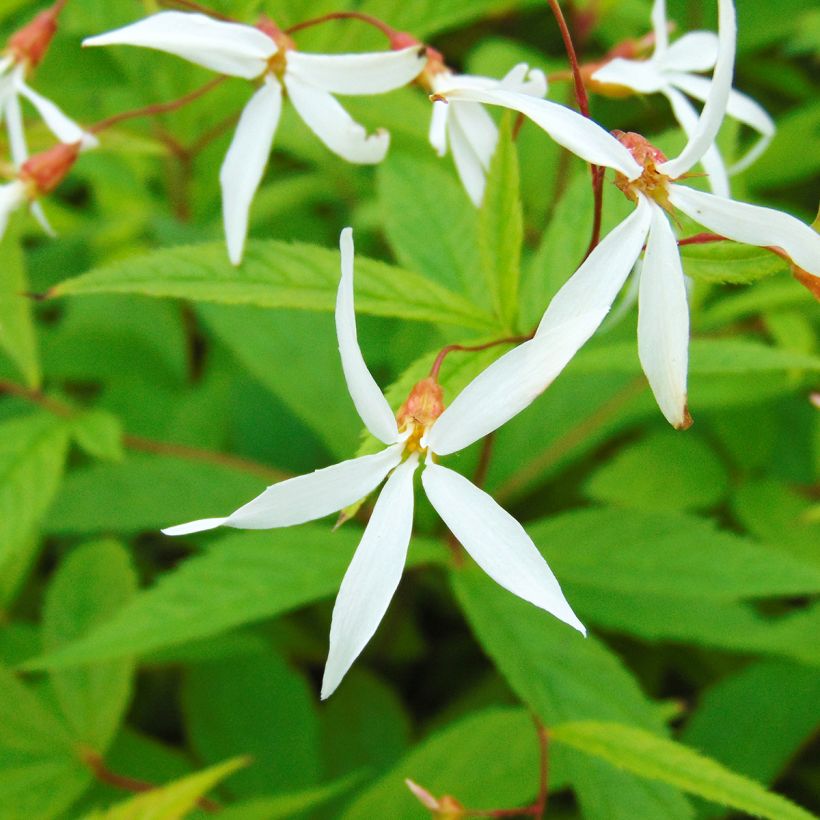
639 75
741 108
12 196
576 133
751 224
594 286
471 170
715 107
373 575
244 164
373 73
40 215
711 161
496 541
305 497
438 127
63 127
228 48
510 384
695 51
478 127
525 80
663 320
16 131
659 27
369 400
334 126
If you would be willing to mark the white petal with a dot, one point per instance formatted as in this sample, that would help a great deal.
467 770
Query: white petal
695 51
228 48
40 215
305 497
715 107
369 400
576 133
16 131
479 129
663 320
711 161
525 80
639 75
659 27
438 127
373 575
334 126
471 170
594 286
357 73
244 164
751 224
741 108
496 541
12 196
510 384
64 128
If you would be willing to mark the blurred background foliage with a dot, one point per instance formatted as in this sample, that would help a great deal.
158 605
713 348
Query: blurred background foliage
692 556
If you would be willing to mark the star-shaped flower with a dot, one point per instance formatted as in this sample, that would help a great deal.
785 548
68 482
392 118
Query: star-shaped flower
466 126
422 430
310 80
649 179
671 71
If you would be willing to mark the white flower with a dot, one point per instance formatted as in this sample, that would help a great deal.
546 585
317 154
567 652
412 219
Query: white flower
670 71
13 86
648 178
468 128
310 80
12 196
422 429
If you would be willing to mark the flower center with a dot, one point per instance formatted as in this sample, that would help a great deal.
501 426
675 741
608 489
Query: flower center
651 182
284 43
422 407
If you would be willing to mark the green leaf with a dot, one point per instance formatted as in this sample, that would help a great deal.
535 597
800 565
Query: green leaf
239 579
430 223
463 760
635 750
756 720
501 228
146 493
259 707
278 275
730 262
685 474
40 775
17 332
99 433
563 676
90 587
32 455
173 801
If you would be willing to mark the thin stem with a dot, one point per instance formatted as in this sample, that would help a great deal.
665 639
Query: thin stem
98 768
388 31
445 351
480 475
156 108
190 4
148 445
543 784
582 98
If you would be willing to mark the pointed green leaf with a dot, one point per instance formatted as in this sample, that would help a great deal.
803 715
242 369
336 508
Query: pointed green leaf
640 752
730 262
501 228
17 332
90 587
99 433
278 275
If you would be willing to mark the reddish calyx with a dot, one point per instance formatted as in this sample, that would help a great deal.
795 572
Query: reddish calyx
422 407
284 43
29 45
652 182
43 172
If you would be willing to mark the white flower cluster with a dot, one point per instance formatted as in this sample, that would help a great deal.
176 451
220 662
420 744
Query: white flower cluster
423 430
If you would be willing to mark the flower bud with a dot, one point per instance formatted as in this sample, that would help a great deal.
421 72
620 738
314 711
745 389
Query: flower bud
29 45
43 172
441 808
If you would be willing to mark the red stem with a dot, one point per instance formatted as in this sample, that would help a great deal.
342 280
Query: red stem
190 4
388 31
434 370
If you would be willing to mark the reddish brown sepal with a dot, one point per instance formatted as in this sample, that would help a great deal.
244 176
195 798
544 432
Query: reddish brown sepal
30 44
46 170
424 404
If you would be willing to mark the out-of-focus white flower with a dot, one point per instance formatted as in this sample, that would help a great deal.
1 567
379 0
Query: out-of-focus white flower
465 126
422 429
671 71
310 80
648 178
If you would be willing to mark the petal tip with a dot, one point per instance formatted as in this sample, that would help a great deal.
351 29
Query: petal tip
687 420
